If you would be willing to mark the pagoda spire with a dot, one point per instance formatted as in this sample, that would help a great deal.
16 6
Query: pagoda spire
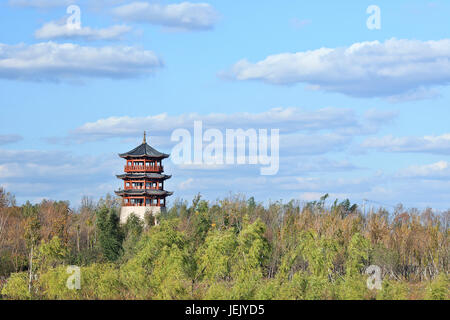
145 138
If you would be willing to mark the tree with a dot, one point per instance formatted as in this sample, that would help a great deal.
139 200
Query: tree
160 267
6 200
109 234
132 231
16 287
32 236
51 253
216 255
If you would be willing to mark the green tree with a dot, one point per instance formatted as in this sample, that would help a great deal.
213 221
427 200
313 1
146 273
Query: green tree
439 288
132 231
250 259
158 269
17 287
51 254
109 233
216 255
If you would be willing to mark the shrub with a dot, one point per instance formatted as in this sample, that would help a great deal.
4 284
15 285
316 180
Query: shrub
17 287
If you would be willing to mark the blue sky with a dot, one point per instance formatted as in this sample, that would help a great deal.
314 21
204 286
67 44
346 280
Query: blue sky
362 113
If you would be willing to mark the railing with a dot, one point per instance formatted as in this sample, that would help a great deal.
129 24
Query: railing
141 205
144 168
143 188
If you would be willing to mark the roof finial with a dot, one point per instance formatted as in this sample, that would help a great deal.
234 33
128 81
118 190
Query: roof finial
145 139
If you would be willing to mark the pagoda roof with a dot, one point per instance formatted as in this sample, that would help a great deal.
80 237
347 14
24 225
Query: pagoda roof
144 150
151 175
142 192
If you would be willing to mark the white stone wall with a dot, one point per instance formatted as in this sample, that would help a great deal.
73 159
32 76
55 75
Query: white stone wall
140 212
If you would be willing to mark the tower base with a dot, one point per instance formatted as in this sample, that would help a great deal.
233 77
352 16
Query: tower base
140 212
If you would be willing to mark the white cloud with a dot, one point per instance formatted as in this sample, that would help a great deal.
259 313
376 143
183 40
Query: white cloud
49 61
427 144
325 185
35 156
58 175
435 171
419 94
53 30
187 184
309 164
313 143
399 69
302 132
179 16
41 3
288 120
9 138
45 166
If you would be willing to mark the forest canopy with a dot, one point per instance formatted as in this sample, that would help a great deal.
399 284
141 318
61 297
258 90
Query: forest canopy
235 248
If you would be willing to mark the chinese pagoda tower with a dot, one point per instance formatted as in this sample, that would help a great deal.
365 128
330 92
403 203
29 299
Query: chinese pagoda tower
143 182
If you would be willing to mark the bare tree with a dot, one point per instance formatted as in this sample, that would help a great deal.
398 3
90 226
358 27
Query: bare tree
5 200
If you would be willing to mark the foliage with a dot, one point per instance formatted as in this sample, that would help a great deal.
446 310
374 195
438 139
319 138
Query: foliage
52 253
17 287
393 290
216 255
439 288
109 234
235 248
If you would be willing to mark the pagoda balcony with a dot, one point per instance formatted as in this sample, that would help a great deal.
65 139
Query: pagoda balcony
141 205
144 168
143 188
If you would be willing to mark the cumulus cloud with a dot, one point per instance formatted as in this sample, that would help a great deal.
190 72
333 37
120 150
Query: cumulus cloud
54 30
34 156
416 95
311 144
31 164
313 164
49 61
288 120
9 138
427 144
384 190
178 16
41 3
396 69
435 171
324 185
56 174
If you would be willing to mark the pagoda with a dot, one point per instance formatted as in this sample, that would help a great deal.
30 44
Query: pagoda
143 182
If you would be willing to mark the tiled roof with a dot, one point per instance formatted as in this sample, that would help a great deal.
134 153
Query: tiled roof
144 150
